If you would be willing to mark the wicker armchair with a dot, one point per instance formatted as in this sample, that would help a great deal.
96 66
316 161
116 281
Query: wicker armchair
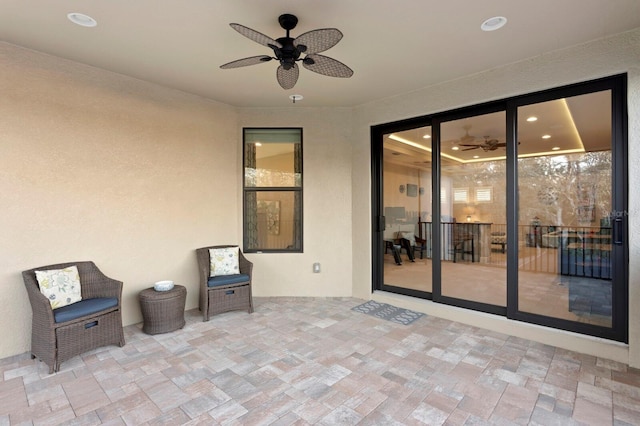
225 293
88 327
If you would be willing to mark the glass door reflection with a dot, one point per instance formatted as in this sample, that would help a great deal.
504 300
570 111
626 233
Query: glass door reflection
565 200
473 226
407 209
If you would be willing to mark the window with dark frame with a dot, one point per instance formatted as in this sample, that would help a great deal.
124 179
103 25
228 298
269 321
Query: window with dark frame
272 190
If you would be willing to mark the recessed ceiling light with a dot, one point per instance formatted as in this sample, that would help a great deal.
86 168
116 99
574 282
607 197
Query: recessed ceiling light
555 148
476 156
532 119
494 23
295 98
426 137
258 144
546 136
455 148
82 19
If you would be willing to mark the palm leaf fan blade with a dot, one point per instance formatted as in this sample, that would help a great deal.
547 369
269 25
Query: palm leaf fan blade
287 78
326 66
254 35
317 41
252 60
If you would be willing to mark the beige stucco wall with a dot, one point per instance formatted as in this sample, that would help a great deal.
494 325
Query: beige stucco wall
589 61
97 166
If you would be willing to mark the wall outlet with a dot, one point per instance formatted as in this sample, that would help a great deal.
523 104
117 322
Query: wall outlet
316 268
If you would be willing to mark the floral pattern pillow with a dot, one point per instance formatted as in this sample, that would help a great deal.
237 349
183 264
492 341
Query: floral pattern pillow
60 286
224 261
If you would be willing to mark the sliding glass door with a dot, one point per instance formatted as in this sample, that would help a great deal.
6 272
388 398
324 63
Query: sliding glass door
473 222
515 208
406 204
570 238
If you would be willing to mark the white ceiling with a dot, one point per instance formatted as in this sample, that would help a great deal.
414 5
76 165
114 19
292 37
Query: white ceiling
394 47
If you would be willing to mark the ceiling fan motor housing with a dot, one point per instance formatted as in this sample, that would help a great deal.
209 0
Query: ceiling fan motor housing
288 53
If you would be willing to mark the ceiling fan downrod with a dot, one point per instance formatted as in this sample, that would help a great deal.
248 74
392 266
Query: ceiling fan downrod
288 54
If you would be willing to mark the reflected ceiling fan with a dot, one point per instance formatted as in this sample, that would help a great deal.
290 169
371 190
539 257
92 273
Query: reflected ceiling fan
487 145
287 50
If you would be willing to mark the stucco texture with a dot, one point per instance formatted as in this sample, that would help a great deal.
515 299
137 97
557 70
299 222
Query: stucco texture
97 166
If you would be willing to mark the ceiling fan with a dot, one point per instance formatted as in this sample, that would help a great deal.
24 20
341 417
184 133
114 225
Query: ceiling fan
288 51
487 145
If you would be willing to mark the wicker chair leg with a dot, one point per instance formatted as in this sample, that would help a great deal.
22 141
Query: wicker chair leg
205 312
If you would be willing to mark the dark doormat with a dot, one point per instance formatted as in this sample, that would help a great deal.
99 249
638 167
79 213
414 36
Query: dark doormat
388 312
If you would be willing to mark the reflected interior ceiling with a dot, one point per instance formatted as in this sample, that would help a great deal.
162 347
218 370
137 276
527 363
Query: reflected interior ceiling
574 125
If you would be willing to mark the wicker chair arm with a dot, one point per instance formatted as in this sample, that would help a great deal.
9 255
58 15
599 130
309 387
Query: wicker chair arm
97 284
246 266
41 308
203 264
204 274
105 287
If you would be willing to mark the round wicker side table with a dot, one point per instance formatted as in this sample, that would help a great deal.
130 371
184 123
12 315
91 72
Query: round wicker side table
162 311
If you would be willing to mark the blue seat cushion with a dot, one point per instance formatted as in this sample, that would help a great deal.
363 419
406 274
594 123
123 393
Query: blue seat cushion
83 307
227 279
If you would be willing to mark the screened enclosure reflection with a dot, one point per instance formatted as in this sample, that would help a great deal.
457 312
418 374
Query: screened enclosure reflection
564 186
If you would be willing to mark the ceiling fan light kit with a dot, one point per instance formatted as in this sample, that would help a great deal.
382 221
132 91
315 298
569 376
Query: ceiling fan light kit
288 51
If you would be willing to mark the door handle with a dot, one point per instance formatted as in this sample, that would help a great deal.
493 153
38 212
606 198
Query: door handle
381 223
618 237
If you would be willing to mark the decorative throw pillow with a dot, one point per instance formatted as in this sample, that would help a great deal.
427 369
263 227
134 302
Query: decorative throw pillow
60 286
224 261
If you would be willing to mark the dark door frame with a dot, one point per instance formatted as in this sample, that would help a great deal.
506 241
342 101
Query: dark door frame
620 253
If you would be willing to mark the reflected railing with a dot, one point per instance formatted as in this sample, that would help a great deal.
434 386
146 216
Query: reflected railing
582 251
